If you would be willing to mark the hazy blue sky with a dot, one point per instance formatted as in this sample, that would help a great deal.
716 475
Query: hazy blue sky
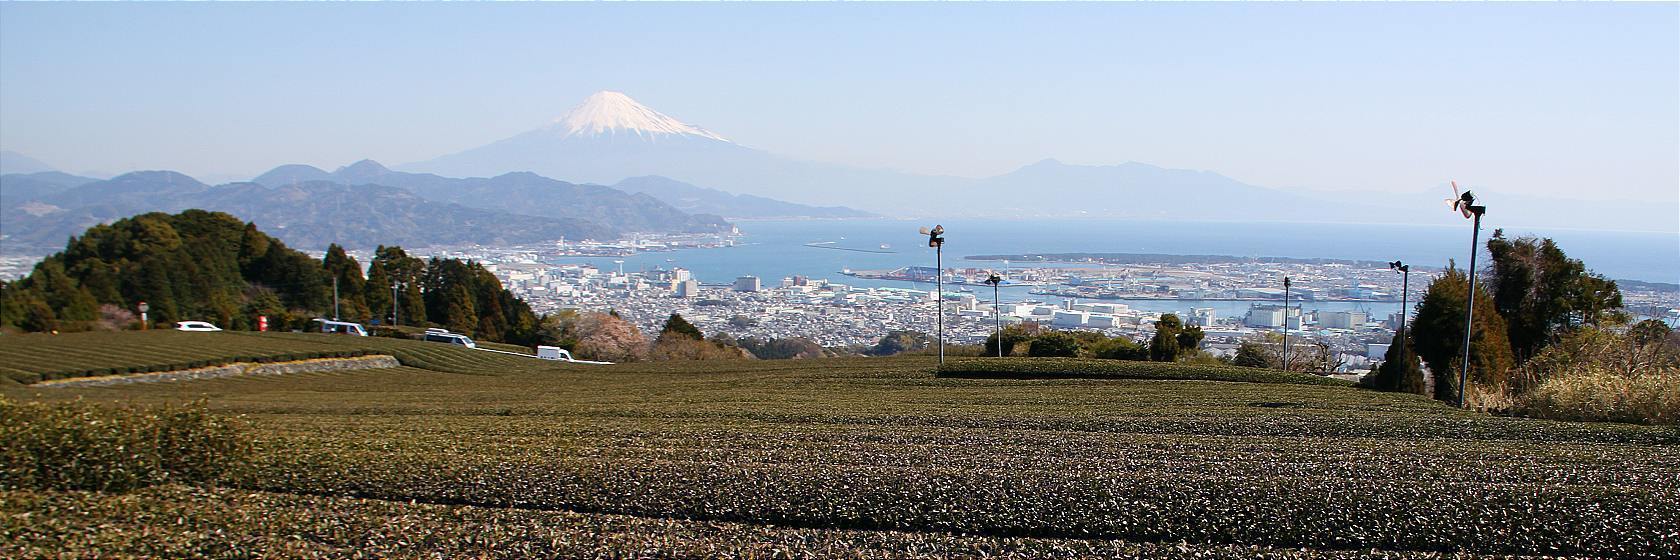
1543 98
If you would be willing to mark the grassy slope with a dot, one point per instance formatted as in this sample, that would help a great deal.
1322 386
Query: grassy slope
739 457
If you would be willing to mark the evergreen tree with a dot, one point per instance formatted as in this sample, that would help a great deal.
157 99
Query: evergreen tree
1438 335
677 326
1253 353
1542 293
376 293
1164 347
1013 335
1395 374
347 273
1190 339
458 312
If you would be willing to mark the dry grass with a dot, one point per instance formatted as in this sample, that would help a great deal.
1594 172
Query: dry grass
1596 394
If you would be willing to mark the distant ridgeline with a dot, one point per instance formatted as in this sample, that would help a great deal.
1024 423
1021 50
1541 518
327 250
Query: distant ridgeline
1154 258
360 206
200 265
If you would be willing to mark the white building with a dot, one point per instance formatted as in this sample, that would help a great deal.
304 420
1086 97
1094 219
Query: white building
1102 321
1202 317
1070 318
747 284
1264 317
1342 319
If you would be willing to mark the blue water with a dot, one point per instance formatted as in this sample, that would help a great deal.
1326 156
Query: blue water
774 249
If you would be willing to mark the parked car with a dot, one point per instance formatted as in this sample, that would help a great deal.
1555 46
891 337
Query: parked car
199 326
446 337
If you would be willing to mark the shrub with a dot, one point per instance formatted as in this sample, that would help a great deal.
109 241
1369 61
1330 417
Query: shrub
1053 344
1119 348
81 446
684 348
897 342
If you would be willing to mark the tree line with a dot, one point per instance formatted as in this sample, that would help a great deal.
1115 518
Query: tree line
1534 308
211 266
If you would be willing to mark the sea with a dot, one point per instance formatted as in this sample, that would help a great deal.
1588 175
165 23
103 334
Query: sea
772 250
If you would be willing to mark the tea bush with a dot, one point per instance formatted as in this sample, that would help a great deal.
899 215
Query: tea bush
1066 368
77 445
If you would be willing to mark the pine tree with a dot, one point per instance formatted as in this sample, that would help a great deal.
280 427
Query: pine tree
343 269
676 326
1397 374
1164 347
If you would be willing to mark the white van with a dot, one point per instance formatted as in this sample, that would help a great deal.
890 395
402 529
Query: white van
560 354
446 337
341 327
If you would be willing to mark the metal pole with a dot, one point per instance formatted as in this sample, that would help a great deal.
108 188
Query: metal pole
1469 306
335 298
1405 279
939 295
393 304
1286 323
997 315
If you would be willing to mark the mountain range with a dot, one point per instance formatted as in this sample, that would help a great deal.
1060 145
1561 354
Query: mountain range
654 163
308 214
366 204
610 137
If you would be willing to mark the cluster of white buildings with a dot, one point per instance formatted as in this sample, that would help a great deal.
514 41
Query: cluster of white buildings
838 314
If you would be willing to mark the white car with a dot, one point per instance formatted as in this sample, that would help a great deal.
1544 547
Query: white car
199 326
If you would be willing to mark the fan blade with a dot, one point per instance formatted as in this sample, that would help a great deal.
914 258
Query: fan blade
923 231
1455 190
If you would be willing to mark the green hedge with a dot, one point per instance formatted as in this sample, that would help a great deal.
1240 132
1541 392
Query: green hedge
1080 368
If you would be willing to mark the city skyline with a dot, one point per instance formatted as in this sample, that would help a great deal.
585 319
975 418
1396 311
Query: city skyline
1559 101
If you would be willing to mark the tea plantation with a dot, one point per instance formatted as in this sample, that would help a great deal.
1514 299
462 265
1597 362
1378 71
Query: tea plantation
463 454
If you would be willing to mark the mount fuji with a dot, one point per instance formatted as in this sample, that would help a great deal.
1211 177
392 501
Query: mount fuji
611 137
607 138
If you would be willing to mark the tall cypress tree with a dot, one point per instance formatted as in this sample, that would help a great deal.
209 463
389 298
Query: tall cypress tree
1438 335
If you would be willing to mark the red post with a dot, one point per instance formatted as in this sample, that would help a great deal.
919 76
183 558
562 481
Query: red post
262 323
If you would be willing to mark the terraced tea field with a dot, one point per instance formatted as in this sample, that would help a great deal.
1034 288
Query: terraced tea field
31 358
863 458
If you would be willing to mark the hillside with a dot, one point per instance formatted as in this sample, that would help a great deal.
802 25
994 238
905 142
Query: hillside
310 214
870 458
211 266
19 188
517 193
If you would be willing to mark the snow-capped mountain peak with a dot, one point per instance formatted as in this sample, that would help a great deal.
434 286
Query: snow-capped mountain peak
611 112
